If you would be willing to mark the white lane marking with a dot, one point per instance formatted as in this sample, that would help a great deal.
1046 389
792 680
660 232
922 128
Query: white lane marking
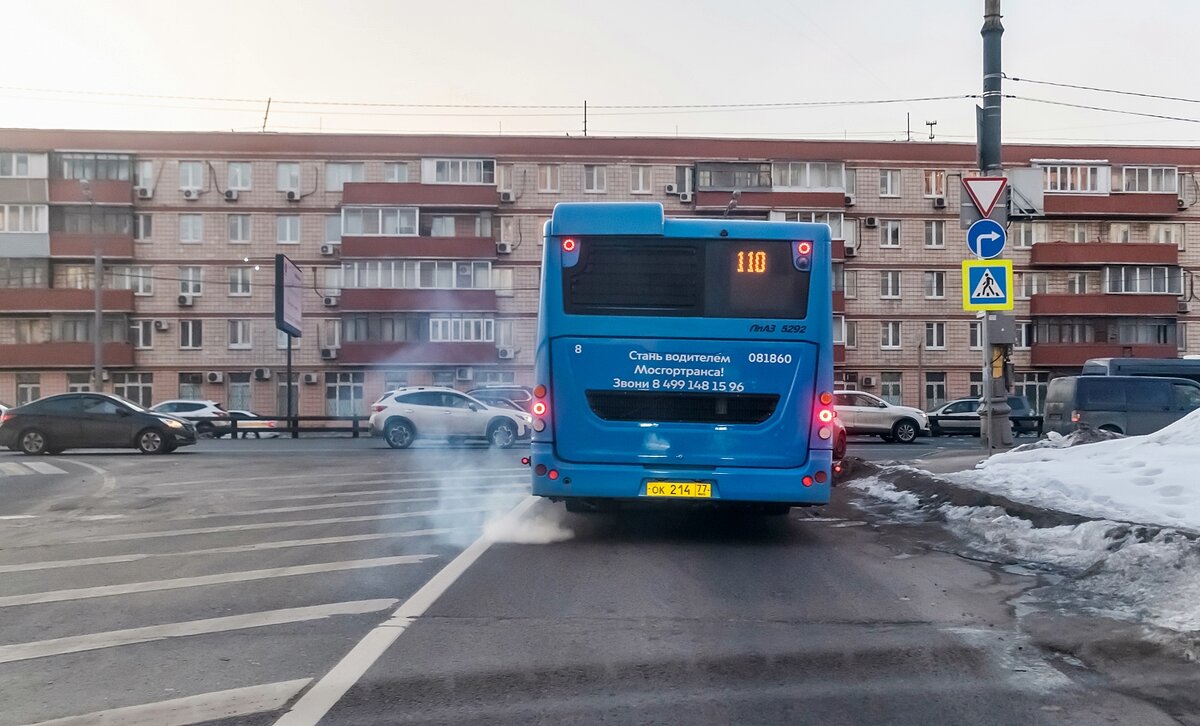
108 483
223 578
43 467
7 517
393 476
376 492
13 469
197 709
232 549
133 636
270 525
318 700
342 505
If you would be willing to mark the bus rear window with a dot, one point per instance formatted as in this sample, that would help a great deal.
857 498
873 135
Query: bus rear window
686 278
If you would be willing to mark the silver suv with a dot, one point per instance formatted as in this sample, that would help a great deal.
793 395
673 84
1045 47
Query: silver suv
403 415
865 413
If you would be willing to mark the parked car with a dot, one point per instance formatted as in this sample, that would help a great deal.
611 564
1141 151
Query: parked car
1130 405
92 421
962 417
865 413
210 418
520 395
403 415
251 423
839 440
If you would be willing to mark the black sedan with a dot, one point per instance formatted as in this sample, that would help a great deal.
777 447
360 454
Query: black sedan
91 421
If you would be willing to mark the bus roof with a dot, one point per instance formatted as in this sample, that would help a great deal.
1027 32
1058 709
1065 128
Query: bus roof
648 218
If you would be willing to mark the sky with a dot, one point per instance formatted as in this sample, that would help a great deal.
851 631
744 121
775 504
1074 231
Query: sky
450 67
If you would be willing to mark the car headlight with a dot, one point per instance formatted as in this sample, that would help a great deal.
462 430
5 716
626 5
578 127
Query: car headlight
172 423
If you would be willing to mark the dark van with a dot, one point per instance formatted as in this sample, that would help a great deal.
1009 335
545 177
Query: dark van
1131 405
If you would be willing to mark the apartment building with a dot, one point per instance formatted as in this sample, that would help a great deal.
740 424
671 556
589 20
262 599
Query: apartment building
421 255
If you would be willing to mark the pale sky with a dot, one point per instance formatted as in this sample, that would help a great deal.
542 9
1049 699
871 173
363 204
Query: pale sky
609 53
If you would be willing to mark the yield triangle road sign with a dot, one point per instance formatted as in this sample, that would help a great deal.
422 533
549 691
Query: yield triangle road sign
984 192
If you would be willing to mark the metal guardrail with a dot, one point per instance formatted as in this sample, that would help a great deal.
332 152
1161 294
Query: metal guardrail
296 425
934 420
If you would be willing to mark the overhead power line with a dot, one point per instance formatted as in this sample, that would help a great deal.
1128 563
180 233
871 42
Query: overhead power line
1107 90
1106 110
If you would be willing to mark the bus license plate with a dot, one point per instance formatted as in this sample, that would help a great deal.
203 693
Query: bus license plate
679 489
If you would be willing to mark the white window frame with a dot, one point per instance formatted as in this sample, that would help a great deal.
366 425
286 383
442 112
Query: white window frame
241 334
24 218
641 179
241 281
191 229
549 178
14 165
240 176
143 173
192 325
458 171
889 234
1073 280
340 173
1079 232
1075 178
851 334
839 329
191 280
244 224
850 284
330 221
363 214
894 292
284 228
287 176
595 179
889 183
898 397
933 183
935 234
939 286
504 177
809 175
456 328
1026 334
395 172
938 330
891 335
143 227
1138 177
193 177
975 332
143 339
1028 234
502 281
1120 232
1172 233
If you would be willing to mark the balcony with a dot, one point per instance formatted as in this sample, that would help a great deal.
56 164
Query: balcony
766 200
1071 254
103 191
839 354
1075 354
1137 205
24 191
83 246
403 301
1104 304
62 300
64 355
439 196
381 353
456 248
839 301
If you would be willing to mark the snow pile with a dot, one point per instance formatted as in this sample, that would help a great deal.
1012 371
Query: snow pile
1153 479
1055 440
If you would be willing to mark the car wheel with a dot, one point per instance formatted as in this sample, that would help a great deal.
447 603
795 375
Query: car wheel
33 443
1112 429
151 441
905 431
204 430
839 447
399 434
502 434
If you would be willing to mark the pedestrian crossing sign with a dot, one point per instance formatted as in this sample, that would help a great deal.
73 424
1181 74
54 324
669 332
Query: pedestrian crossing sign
987 284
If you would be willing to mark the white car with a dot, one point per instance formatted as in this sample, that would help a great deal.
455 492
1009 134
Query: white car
210 418
403 415
865 413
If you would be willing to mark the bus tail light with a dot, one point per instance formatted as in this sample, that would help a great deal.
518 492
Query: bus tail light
807 481
540 470
825 415
570 245
539 409
553 474
820 476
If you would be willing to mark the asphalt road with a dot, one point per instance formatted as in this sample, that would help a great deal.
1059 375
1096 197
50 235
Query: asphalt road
337 581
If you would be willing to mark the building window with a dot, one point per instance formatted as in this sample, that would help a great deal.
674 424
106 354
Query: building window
1154 179
239 175
191 280
287 176
810 175
333 229
343 394
191 385
29 331
889 387
191 175
395 172
137 387
890 335
935 183
287 229
337 174
1119 232
282 391
889 182
457 328
29 388
889 233
595 178
850 284
239 397
1075 178
839 329
79 382
13 164
458 171
684 179
1078 232
889 284
548 178
441 226
504 177
935 285
502 280
935 234
1028 234
23 218
1143 279
97 166
975 335
1026 334
851 334
935 336
239 228
138 278
239 281
191 334
935 389
639 179
975 385
1033 387
191 228
1031 283
379 221
141 334
239 334
1181 338
143 174
1077 283
1167 234
143 227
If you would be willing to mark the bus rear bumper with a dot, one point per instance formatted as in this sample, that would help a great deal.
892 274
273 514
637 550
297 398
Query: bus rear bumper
732 484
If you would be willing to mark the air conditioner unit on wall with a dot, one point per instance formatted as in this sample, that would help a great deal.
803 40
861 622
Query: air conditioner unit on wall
191 194
672 189
329 354
685 197
939 202
850 200
509 196
292 195
1185 307
851 249
506 353
463 373
231 195
311 378
329 250
504 248
871 222
161 325
331 301
262 374
868 381
185 301
215 377
144 193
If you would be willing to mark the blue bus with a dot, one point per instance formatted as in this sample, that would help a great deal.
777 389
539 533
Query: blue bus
683 359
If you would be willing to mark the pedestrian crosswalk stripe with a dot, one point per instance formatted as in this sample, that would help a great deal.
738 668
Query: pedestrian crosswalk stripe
42 467
13 469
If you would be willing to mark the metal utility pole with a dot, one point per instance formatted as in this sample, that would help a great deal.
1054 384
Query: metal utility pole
995 427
